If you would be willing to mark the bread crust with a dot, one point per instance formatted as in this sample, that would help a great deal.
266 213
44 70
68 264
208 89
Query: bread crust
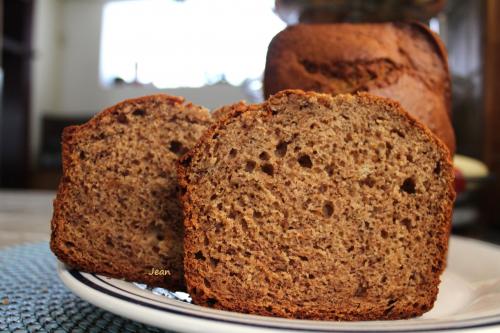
191 222
403 61
80 260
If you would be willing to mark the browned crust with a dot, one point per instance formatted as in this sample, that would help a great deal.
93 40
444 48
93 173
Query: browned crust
399 312
223 110
69 143
440 49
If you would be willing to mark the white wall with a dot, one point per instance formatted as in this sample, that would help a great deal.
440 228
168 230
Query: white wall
45 64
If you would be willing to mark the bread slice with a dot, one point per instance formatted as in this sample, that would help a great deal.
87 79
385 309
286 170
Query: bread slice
117 212
403 61
318 207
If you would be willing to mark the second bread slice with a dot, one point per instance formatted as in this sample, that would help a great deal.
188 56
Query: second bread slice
117 212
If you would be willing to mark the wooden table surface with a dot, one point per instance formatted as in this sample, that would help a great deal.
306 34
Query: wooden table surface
25 216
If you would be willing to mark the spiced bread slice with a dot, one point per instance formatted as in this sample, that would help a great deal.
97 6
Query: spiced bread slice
403 61
318 207
117 212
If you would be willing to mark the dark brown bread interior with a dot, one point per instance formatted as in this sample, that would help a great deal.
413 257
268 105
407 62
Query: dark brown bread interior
403 61
117 212
318 207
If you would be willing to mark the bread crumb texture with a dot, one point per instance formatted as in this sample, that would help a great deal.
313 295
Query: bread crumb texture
317 207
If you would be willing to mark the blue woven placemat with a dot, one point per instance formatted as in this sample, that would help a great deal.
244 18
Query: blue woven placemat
33 299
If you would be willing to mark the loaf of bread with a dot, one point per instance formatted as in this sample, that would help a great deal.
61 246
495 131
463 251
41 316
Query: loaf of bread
117 211
318 207
402 61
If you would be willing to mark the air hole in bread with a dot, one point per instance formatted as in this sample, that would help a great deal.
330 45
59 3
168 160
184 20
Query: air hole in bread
360 291
406 223
82 155
257 214
329 170
268 169
211 301
305 161
177 147
139 112
281 148
303 258
199 256
384 234
214 261
244 224
186 161
327 209
388 310
398 132
69 244
368 181
437 169
122 118
233 152
206 282
264 156
408 186
250 166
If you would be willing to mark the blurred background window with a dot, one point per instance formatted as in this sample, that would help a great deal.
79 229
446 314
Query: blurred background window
188 43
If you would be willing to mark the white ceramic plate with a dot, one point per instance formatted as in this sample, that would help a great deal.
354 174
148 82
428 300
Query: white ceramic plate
468 301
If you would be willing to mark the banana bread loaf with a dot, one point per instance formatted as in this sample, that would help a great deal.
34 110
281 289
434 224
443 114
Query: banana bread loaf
318 207
403 61
117 212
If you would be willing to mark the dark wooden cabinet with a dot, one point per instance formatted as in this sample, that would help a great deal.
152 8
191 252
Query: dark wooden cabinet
17 21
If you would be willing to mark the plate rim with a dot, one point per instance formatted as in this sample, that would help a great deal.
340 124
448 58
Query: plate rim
84 287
